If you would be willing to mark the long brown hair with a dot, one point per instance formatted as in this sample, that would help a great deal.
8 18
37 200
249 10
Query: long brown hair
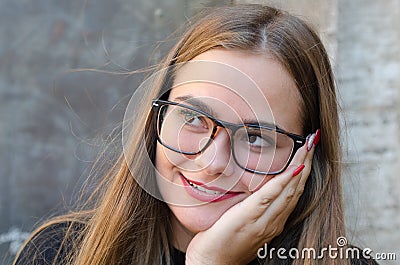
124 224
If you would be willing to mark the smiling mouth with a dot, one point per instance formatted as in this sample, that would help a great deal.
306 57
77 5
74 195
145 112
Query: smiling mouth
209 191
200 188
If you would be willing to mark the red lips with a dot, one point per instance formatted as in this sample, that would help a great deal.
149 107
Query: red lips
206 192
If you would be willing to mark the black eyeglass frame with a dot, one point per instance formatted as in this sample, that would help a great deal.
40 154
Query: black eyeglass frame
298 140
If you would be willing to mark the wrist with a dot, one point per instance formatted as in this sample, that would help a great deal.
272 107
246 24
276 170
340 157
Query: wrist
198 260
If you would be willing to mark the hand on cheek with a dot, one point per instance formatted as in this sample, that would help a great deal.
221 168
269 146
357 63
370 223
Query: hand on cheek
244 228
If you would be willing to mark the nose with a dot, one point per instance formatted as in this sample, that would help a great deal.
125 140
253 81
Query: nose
216 159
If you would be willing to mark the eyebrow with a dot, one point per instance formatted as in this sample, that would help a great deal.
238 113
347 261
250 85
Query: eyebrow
204 107
261 124
196 103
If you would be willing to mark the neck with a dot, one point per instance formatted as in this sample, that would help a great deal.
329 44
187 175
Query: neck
180 235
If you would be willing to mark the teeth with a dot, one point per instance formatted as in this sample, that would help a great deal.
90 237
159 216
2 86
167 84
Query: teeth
212 192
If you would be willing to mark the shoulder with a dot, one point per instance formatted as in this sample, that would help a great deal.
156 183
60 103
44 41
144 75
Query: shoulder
50 243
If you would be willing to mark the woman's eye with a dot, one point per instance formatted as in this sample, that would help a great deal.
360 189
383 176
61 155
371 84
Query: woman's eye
258 141
193 119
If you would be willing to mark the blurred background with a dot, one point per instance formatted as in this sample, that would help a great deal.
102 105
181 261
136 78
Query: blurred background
54 120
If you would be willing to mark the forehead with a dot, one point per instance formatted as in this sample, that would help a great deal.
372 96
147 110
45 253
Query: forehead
248 85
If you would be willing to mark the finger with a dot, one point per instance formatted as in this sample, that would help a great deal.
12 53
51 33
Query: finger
254 218
270 220
291 194
264 197
311 144
306 152
300 156
308 165
298 159
256 204
271 205
306 155
285 203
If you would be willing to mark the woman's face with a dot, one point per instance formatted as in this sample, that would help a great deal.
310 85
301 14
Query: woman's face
214 169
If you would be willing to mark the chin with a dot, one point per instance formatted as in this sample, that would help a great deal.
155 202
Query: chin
198 218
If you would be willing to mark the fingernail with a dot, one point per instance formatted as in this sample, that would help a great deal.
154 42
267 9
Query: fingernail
298 170
317 137
310 142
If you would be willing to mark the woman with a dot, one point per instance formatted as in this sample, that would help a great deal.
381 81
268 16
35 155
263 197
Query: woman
234 144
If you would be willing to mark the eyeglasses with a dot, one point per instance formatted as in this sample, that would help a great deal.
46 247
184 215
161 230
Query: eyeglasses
255 148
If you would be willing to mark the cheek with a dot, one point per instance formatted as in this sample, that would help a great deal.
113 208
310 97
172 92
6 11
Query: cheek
164 172
166 160
162 163
254 182
169 182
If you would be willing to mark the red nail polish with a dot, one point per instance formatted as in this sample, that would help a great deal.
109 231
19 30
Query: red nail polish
298 170
317 137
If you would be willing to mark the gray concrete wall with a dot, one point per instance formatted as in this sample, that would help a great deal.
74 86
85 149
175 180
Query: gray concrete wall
369 81
53 121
